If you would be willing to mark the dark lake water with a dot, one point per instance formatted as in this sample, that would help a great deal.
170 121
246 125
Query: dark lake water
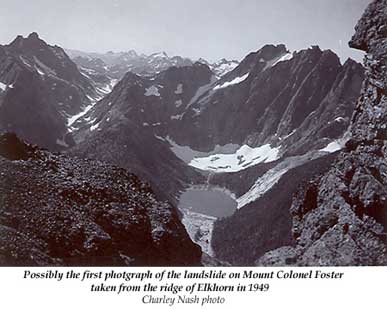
209 202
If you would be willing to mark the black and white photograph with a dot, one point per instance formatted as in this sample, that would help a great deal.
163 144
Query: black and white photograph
193 133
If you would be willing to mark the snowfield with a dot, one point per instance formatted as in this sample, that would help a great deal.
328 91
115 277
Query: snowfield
187 154
271 177
241 159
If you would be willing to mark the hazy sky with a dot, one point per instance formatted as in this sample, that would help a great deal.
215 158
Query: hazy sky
194 28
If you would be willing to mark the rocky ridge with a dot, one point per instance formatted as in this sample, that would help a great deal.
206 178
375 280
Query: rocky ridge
56 210
299 101
40 90
340 218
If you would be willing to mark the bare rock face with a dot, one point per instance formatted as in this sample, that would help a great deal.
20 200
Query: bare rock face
56 210
340 218
298 101
41 89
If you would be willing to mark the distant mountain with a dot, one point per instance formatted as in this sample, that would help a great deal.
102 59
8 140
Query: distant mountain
40 90
221 67
61 211
115 65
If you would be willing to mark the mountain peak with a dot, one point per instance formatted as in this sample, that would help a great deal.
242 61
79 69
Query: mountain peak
159 55
202 60
17 41
271 48
34 36
33 39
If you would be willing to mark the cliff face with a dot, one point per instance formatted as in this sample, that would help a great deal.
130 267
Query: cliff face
56 210
340 217
266 223
298 101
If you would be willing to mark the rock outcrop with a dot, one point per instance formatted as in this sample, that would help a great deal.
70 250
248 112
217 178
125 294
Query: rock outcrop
266 223
56 210
341 217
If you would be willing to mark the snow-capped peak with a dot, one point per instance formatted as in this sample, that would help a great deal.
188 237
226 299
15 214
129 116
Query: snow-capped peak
162 55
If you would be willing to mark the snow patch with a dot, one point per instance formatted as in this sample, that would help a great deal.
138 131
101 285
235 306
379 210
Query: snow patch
42 66
235 81
160 138
3 87
113 82
39 71
71 120
179 89
178 103
61 143
339 119
285 57
333 146
271 177
196 111
187 154
203 92
243 158
288 135
152 91
25 62
93 127
176 117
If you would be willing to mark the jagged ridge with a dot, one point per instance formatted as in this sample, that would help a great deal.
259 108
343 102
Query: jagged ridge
340 218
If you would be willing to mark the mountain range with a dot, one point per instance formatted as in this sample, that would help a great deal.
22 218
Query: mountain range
286 135
116 64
